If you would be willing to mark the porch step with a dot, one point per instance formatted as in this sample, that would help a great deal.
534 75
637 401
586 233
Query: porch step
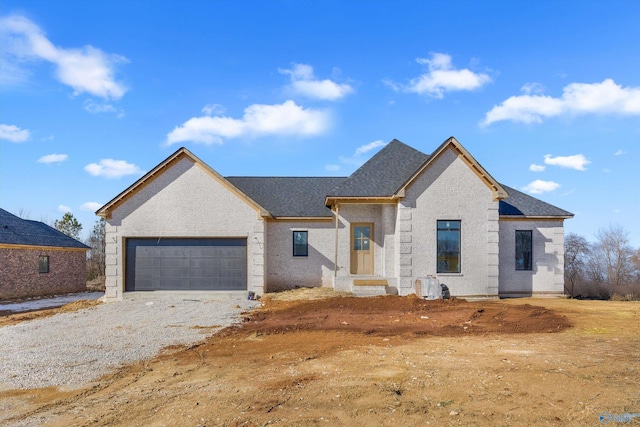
369 291
370 282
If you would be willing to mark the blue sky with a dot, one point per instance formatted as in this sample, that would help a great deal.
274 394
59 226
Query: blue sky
544 94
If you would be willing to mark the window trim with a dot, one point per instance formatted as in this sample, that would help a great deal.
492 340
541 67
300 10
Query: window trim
524 267
43 264
306 243
459 230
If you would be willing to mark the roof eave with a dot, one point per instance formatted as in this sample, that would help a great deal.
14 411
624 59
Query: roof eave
331 201
535 217
301 218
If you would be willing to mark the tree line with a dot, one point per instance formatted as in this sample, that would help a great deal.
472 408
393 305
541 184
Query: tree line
607 268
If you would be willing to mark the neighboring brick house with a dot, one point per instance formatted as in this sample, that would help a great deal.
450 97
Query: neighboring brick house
403 215
38 260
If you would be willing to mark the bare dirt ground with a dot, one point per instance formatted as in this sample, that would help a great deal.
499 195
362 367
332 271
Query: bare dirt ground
311 358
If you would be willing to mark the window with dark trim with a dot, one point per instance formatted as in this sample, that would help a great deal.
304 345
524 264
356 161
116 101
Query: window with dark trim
524 250
43 264
448 247
300 243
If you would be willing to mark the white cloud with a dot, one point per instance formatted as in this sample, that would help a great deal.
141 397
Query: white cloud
85 69
356 159
53 158
442 77
370 146
213 109
304 83
94 108
539 186
64 209
91 206
577 162
258 120
577 99
13 133
536 168
532 88
110 168
619 153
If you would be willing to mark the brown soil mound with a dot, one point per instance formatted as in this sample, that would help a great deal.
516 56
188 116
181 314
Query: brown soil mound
394 315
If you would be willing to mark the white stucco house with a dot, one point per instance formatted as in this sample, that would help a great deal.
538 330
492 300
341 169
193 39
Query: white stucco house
403 215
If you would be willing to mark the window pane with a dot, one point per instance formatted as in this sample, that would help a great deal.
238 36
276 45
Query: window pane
448 247
524 250
300 243
43 264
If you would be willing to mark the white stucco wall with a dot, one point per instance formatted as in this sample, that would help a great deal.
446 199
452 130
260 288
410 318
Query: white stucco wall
285 271
184 201
547 274
449 190
383 230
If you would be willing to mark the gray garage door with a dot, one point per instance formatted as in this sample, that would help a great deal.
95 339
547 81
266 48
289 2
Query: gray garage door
186 264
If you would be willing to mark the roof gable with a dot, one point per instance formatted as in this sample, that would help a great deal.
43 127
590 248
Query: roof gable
163 166
18 231
453 144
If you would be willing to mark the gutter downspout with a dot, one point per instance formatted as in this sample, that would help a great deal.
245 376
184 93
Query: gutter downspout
335 258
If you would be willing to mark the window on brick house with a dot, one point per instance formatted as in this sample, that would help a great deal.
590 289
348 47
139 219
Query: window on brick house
448 247
43 264
524 250
300 243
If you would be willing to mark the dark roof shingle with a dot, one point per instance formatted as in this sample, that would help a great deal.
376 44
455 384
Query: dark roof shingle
383 174
18 231
520 204
288 196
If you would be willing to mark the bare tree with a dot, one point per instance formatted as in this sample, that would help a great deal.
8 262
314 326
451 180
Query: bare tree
635 260
96 240
611 257
23 213
576 253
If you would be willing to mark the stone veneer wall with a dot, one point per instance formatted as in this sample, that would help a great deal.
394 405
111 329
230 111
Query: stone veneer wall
19 276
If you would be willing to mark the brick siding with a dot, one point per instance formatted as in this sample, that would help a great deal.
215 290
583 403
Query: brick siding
19 276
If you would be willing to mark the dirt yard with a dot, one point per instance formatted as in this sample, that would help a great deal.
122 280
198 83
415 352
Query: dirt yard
374 361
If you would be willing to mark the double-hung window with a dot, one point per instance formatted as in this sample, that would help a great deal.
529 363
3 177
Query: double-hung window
448 247
524 250
300 243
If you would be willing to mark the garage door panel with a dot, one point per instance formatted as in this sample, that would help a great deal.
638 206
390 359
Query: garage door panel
232 263
186 264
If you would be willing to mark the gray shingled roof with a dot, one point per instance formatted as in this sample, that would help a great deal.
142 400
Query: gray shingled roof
18 231
383 174
286 196
520 204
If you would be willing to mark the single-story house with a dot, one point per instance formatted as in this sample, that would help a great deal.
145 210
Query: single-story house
402 216
38 260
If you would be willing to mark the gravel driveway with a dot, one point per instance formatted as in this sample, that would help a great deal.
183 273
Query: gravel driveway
73 349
